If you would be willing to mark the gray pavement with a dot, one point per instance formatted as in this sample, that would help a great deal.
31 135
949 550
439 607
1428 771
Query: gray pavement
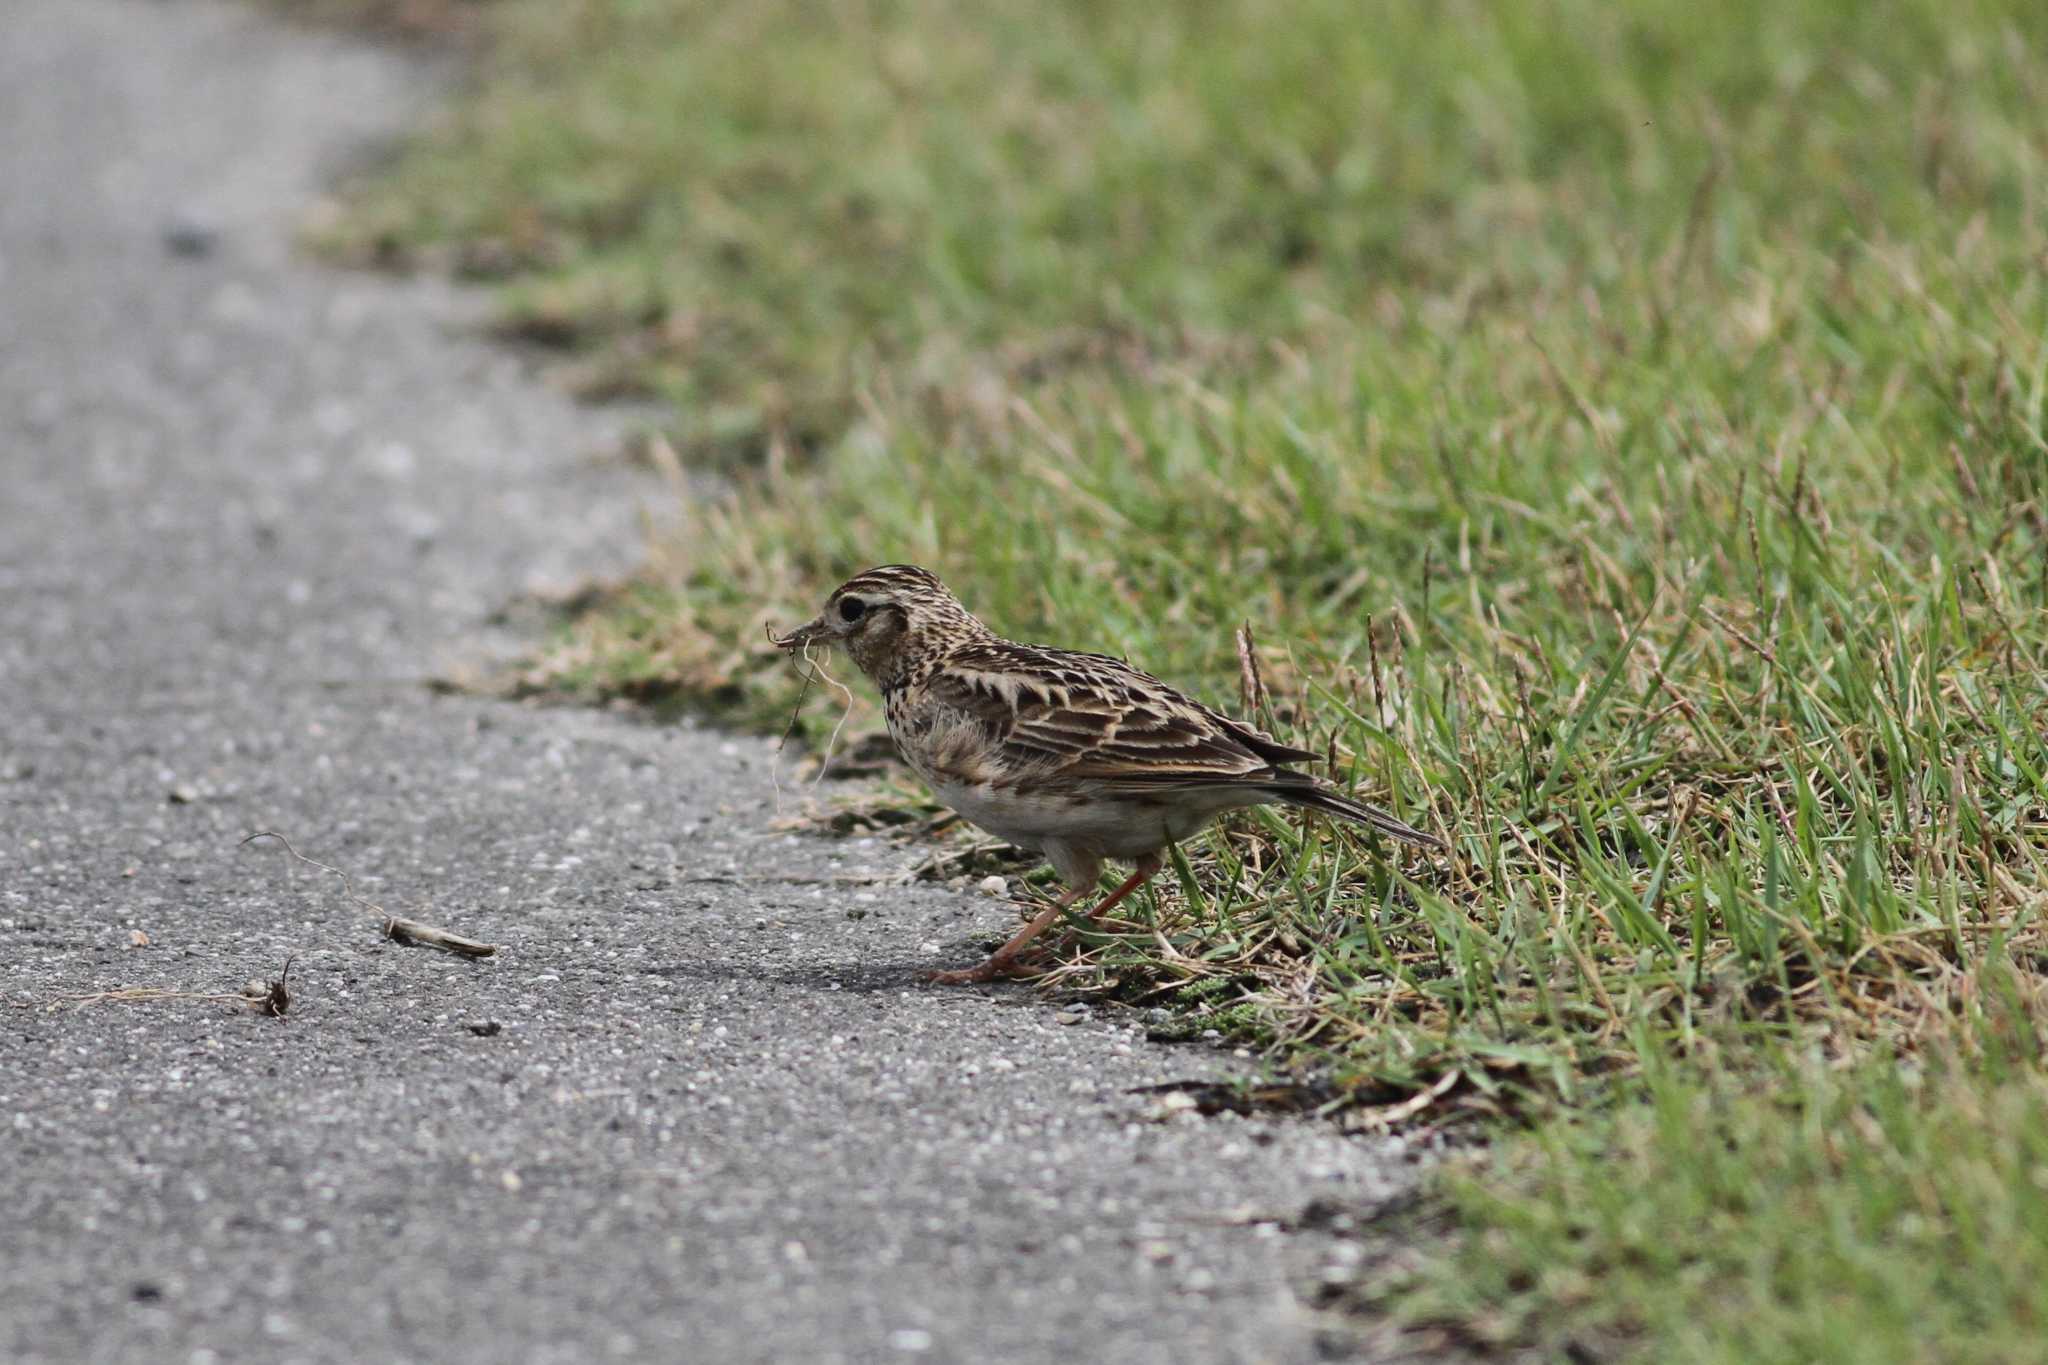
248 504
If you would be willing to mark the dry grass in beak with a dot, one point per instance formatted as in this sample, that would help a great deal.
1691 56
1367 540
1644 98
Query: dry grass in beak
810 670
796 640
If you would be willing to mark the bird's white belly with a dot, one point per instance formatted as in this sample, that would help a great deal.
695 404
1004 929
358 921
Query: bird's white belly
1114 827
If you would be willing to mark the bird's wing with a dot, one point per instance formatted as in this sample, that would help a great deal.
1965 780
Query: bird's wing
1059 715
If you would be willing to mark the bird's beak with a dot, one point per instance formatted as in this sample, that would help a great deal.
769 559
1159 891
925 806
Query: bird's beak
793 643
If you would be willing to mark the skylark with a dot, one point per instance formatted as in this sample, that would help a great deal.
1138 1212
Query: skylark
1079 756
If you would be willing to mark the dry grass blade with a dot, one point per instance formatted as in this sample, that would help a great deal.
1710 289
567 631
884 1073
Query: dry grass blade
796 710
1251 685
396 929
832 741
1394 1115
810 670
267 997
137 995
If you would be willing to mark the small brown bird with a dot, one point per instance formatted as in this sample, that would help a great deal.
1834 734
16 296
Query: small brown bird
1079 756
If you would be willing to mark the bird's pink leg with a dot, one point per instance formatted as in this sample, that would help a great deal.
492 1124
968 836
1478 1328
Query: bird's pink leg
1003 961
1147 868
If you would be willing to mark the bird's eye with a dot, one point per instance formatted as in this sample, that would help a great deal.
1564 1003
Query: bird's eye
852 609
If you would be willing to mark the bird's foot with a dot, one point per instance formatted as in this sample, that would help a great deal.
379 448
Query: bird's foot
994 968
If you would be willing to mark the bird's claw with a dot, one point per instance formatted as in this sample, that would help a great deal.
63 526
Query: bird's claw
994 968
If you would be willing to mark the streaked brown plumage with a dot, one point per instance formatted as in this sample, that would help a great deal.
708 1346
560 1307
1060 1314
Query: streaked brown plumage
1080 756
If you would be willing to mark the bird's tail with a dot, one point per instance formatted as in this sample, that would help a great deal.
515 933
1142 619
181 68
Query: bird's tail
1313 795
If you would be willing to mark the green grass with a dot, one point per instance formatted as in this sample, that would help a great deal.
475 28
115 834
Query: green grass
1895 1213
1623 425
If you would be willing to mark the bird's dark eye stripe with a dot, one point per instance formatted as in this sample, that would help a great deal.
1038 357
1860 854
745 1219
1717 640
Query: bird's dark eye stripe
851 608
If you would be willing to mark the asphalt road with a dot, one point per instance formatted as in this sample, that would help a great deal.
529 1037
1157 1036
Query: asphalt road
246 505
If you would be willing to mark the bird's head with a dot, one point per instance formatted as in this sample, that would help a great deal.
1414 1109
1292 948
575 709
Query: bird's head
887 620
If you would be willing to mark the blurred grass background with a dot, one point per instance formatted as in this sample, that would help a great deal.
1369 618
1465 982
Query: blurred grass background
1622 427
